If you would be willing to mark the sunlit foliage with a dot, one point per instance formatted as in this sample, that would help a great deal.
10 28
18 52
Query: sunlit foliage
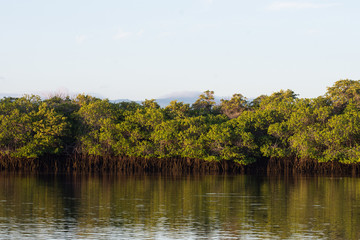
278 126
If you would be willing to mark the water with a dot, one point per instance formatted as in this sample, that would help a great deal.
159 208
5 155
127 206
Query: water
187 207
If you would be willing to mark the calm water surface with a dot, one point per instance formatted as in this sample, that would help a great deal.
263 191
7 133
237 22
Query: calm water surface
187 207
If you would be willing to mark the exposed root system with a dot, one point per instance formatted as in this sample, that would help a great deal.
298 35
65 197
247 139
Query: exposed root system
131 165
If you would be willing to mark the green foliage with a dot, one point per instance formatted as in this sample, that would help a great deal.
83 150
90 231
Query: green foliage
150 104
282 126
270 121
29 128
342 92
235 106
98 119
205 103
177 110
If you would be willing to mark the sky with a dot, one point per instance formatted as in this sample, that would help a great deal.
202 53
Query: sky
141 49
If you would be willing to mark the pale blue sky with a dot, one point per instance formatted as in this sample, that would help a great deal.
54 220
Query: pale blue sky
140 49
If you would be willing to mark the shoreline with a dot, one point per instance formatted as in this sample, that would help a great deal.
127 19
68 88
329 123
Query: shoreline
276 133
173 166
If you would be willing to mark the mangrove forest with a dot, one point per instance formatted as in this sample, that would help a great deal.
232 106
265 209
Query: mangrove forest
85 132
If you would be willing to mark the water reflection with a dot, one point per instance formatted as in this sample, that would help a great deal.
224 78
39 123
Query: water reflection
192 207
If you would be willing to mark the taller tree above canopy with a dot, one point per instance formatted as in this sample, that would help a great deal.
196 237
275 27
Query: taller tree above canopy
204 104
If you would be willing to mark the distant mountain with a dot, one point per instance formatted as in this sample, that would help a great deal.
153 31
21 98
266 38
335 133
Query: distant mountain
163 102
185 97
123 100
2 95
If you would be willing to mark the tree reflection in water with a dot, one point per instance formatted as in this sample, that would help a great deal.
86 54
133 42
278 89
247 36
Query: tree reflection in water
212 206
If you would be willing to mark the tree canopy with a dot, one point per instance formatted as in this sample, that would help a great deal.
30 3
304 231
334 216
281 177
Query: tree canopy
281 125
